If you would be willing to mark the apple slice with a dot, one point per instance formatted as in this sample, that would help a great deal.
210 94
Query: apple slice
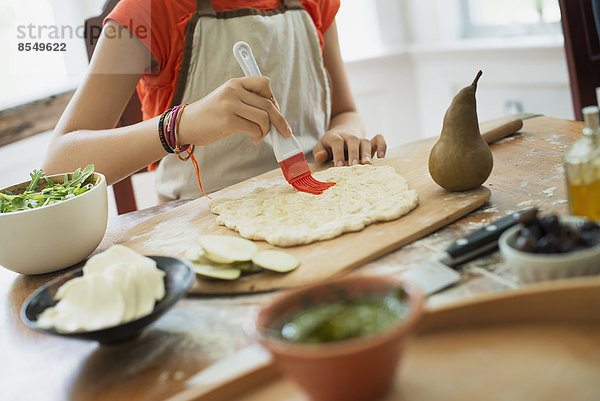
227 249
274 260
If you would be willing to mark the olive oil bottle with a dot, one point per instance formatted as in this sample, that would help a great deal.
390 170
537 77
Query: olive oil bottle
582 168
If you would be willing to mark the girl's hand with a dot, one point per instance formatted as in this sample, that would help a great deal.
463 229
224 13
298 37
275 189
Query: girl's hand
348 149
239 105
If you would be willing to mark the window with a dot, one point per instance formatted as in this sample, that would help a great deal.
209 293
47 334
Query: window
510 17
351 19
369 28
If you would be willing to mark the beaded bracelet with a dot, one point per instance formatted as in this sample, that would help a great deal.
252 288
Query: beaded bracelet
178 148
168 132
183 106
171 128
167 128
161 132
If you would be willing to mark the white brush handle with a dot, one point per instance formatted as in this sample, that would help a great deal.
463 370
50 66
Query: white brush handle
283 148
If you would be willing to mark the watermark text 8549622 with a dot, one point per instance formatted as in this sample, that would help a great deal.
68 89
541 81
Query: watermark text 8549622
42 46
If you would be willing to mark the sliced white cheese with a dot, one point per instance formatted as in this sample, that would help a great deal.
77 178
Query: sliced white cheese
145 294
155 278
60 293
118 285
88 304
116 254
105 308
123 275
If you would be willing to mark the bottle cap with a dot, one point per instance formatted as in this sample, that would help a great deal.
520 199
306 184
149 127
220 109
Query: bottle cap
592 120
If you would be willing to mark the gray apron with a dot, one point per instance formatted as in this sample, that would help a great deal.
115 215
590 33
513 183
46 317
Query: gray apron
287 49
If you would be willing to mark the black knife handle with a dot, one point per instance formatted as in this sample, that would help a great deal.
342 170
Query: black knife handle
488 236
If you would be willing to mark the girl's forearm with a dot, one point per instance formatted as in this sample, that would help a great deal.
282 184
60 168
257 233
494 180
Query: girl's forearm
116 152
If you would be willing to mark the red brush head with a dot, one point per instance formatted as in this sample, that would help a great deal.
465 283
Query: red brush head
296 171
310 185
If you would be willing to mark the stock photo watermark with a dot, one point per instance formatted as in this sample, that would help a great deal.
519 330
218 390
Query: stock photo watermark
54 38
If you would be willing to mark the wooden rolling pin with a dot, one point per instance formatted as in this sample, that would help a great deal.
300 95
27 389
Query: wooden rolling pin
497 129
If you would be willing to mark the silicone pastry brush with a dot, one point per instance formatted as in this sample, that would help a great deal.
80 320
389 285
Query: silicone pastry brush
287 151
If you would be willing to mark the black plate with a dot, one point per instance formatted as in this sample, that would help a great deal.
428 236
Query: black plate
178 278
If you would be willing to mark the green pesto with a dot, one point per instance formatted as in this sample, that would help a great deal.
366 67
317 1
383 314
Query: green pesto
346 319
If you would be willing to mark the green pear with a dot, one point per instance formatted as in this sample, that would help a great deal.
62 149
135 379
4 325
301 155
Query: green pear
461 159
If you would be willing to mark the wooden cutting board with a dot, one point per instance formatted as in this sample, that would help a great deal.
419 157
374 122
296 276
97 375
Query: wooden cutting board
173 232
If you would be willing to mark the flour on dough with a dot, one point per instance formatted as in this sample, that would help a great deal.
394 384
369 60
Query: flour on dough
280 215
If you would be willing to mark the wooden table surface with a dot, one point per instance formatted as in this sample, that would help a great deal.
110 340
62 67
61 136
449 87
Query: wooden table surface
198 331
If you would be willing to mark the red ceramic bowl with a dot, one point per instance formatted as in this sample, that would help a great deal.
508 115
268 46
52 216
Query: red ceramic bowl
357 369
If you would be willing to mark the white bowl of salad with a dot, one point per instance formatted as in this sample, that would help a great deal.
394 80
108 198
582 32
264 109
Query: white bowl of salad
52 222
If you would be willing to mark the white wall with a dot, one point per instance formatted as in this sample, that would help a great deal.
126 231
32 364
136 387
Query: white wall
385 93
404 96
532 76
403 90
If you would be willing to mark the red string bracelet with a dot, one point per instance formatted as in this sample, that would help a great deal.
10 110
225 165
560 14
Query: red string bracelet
195 163
186 148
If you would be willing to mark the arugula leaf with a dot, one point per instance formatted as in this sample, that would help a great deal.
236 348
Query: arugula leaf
52 193
80 176
35 177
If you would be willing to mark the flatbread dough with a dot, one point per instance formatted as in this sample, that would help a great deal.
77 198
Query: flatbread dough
280 215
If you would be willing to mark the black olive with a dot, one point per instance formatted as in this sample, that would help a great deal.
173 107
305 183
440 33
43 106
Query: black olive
534 232
591 237
550 224
568 233
586 225
525 243
549 243
547 235
567 245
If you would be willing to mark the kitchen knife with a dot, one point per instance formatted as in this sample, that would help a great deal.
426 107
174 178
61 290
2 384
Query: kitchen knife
439 271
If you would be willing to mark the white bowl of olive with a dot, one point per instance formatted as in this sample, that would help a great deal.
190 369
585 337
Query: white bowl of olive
552 247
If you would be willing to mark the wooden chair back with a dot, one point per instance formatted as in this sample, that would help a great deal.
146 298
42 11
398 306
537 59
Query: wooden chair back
581 28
